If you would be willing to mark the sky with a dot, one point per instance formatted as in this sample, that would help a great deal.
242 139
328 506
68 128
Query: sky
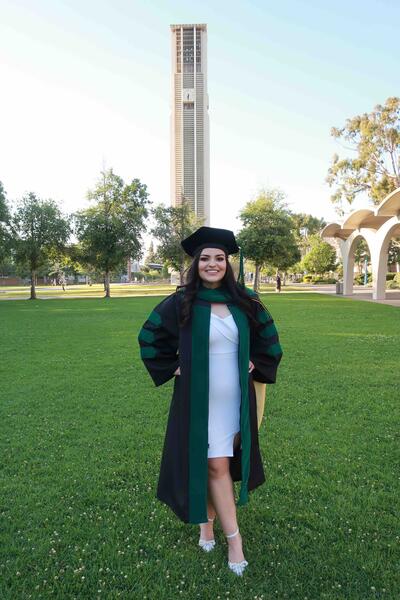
86 84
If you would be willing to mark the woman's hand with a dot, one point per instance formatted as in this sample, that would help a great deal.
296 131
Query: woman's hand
178 371
251 366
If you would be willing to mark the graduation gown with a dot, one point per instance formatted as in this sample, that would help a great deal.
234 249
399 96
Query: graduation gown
165 346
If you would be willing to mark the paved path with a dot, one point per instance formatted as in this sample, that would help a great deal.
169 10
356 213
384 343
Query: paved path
392 296
88 296
360 293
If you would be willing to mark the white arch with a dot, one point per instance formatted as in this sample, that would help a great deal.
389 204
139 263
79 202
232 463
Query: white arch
379 256
377 226
347 249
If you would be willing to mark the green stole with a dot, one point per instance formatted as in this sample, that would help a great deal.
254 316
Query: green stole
199 387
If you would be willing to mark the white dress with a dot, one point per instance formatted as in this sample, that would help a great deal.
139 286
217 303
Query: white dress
224 386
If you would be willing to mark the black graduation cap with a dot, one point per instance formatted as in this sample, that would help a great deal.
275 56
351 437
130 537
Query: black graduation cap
210 237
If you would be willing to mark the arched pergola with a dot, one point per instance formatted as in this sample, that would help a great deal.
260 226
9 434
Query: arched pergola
377 226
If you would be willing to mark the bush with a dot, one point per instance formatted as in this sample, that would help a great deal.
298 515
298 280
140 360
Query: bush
148 277
395 283
359 279
138 274
390 276
329 280
318 279
155 276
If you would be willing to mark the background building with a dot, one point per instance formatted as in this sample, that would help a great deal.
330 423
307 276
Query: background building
190 160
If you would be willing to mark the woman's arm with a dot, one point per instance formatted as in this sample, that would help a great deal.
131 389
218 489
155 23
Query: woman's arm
159 341
265 348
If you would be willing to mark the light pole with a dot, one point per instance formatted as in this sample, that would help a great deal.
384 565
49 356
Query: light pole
365 255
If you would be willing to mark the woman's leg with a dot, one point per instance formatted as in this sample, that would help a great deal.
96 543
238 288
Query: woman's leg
210 507
222 496
207 529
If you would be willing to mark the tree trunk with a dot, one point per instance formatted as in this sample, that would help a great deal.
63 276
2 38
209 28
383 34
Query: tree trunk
181 273
33 285
256 285
107 284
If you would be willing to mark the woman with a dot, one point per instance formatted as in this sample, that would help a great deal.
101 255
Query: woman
278 282
216 337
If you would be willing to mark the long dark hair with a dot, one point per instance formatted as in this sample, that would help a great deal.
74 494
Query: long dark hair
193 281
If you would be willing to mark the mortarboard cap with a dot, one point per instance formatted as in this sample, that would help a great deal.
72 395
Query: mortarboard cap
210 237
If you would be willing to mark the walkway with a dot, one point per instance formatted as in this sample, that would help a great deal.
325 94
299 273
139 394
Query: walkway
360 293
392 296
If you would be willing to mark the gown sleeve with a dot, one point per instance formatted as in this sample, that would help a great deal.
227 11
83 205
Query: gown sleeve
265 349
159 341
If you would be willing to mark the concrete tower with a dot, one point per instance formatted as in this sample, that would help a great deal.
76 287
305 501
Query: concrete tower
190 155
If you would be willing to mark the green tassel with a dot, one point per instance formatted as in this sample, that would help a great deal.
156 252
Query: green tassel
241 268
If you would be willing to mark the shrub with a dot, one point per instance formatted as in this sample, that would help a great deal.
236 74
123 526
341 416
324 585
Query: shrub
324 280
138 274
359 279
318 279
149 277
395 283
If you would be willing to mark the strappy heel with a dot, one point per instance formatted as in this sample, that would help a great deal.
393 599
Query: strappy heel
237 567
207 545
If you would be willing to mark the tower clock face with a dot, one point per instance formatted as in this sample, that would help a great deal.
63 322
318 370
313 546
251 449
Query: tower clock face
188 95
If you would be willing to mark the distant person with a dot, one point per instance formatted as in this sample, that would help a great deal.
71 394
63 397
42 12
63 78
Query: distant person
204 335
278 283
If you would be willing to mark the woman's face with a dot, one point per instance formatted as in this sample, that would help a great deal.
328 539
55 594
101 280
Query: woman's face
212 266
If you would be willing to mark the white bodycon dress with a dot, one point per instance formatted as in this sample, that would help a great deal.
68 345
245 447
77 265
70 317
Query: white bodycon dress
224 386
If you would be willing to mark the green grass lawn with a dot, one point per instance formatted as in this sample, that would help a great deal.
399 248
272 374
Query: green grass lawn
82 429
117 290
88 291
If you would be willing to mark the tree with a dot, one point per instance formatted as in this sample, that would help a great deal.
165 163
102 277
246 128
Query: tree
39 229
73 263
56 271
151 256
304 226
359 253
394 253
110 232
375 169
5 226
173 224
267 236
321 258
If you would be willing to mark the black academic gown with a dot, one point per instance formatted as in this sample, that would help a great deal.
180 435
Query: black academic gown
164 347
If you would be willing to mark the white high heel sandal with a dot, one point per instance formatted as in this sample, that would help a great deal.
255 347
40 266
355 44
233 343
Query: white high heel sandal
239 567
207 545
